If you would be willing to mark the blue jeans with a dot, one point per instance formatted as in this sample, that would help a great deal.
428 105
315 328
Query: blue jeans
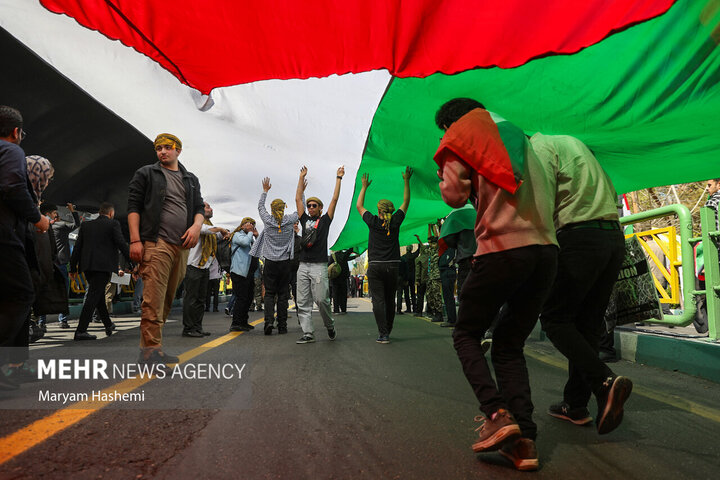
61 317
137 297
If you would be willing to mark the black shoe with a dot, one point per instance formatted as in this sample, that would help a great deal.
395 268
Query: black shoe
282 330
249 327
110 329
227 311
205 333
437 319
448 324
6 384
43 327
578 415
239 328
64 325
608 357
613 394
268 329
84 336
332 333
306 338
192 333
22 374
399 312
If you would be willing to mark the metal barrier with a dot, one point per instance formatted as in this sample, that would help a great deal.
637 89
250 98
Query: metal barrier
667 262
687 255
709 238
686 264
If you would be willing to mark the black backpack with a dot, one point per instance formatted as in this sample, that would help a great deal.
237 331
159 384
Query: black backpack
224 254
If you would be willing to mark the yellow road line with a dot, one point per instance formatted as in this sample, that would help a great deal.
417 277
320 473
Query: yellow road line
668 398
44 428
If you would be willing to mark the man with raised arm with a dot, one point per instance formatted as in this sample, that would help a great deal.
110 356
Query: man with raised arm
312 275
384 253
275 244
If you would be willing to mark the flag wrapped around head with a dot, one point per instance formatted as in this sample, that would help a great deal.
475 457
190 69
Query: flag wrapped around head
168 139
489 144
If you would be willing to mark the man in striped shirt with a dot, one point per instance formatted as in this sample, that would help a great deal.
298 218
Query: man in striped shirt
275 244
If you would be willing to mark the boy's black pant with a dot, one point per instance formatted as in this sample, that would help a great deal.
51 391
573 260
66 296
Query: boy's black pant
522 278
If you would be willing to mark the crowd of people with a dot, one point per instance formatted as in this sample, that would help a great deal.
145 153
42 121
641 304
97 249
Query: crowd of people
546 244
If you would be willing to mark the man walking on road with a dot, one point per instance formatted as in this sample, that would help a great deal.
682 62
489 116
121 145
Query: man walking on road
312 276
18 206
165 215
592 249
488 160
96 253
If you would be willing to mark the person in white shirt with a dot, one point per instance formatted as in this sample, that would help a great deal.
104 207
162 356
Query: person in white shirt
197 276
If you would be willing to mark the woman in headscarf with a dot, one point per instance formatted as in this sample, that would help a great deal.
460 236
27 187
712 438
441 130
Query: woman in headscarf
384 253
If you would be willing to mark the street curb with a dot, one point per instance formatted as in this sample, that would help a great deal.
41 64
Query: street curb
692 356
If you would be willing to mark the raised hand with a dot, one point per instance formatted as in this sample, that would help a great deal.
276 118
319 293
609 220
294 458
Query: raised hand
266 184
407 173
303 171
341 171
366 180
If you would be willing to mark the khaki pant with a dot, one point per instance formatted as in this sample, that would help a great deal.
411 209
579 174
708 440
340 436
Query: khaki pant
110 290
162 269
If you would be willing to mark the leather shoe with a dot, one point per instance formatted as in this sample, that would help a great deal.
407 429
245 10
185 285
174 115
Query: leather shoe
205 334
110 329
84 336
193 333
64 325
239 328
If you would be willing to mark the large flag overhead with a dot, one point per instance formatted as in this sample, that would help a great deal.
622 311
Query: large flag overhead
637 81
216 43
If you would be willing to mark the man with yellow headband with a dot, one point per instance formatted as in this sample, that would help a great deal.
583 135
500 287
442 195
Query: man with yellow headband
165 215
312 274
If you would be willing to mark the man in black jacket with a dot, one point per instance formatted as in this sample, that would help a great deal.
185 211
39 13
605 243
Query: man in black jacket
96 252
165 215
18 206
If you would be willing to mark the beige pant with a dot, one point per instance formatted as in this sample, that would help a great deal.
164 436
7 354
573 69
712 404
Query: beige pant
110 290
162 269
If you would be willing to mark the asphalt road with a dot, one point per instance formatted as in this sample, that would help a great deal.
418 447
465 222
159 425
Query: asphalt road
343 409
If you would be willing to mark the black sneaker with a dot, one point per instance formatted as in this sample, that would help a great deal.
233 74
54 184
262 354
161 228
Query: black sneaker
64 325
332 334
239 328
307 338
613 394
268 329
282 330
227 311
522 453
383 339
578 415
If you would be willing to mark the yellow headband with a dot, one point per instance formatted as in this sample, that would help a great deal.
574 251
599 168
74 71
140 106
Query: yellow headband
167 139
247 219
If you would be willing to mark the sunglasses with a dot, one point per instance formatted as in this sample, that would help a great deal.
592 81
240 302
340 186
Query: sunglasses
23 134
312 205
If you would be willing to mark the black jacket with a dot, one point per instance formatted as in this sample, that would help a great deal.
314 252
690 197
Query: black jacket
147 195
97 245
18 204
51 295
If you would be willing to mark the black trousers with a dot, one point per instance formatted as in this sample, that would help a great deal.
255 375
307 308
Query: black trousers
421 288
276 277
243 288
194 293
16 298
213 293
573 317
403 290
383 279
447 279
95 300
522 278
462 272
339 288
